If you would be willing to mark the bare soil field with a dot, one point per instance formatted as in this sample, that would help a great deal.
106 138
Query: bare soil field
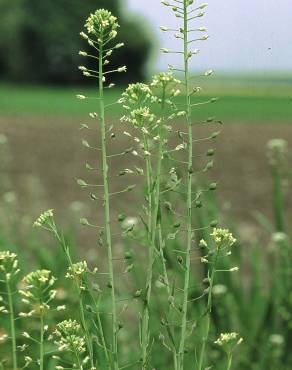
47 156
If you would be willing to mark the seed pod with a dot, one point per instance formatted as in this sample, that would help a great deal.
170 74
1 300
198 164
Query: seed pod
213 186
214 223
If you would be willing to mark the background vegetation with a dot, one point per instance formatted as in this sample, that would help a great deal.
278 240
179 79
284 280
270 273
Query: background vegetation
39 40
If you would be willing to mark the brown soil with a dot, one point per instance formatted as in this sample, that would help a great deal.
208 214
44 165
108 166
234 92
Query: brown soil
49 150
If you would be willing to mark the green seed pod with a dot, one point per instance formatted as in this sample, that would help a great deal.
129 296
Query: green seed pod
210 152
215 134
84 222
121 217
190 170
128 255
120 326
198 204
214 223
171 300
88 308
180 259
209 165
213 186
138 293
81 183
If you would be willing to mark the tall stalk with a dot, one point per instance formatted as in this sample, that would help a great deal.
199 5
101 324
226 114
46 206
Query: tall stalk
41 359
207 317
12 323
137 101
189 189
8 271
107 207
276 151
38 292
151 233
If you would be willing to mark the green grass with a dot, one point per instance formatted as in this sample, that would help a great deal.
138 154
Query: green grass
240 100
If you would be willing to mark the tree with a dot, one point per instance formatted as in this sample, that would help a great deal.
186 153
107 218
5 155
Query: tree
39 40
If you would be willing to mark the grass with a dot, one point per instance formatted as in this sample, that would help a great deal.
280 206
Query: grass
241 100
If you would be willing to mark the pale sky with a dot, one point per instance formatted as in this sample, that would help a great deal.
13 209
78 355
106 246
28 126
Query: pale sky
245 35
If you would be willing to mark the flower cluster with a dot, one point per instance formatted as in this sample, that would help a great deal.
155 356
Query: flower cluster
136 100
137 93
8 264
44 219
38 288
276 151
163 79
77 270
68 337
102 24
222 238
228 341
139 117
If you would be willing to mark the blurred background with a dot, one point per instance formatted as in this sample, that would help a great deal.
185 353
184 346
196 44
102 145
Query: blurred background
39 115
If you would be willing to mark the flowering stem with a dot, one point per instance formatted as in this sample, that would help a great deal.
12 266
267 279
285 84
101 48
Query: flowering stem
107 209
42 339
78 360
84 326
189 192
278 200
229 361
207 318
12 324
145 318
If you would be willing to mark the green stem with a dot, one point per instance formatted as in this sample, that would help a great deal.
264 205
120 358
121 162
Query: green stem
65 248
229 361
189 194
12 325
207 318
78 361
145 318
107 211
278 200
152 227
42 340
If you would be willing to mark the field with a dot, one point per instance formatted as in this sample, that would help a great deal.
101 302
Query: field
42 125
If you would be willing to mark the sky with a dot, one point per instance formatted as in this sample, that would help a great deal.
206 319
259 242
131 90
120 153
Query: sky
245 35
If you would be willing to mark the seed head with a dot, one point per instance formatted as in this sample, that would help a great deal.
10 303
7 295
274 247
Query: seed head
38 288
102 25
8 264
77 269
44 219
228 341
68 337
222 238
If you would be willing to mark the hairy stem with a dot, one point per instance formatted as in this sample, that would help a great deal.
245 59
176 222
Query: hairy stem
189 193
107 210
12 324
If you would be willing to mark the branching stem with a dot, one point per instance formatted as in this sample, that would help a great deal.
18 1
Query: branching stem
107 210
207 317
189 192
12 324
